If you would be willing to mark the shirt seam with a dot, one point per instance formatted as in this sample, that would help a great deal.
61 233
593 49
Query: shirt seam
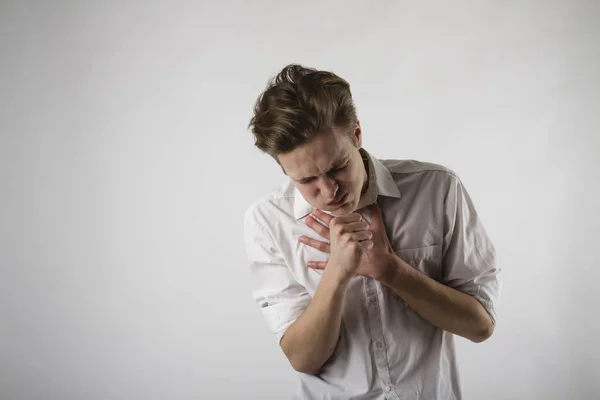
449 172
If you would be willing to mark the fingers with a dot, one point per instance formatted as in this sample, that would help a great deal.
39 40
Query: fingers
362 235
358 237
353 217
366 244
357 240
317 244
322 230
339 229
322 216
356 226
347 228
317 264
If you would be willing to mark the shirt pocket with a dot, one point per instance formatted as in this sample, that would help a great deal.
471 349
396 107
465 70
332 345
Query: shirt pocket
426 259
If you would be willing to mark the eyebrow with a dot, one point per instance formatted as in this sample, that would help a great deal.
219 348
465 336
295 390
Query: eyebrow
336 164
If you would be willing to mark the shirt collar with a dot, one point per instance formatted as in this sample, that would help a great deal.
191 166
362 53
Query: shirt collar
380 183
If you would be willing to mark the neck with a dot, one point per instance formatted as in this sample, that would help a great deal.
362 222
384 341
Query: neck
366 177
369 194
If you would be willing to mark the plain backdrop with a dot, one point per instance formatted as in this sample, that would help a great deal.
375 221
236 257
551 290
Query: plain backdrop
126 166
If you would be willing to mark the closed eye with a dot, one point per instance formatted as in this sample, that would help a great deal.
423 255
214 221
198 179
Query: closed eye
339 169
304 181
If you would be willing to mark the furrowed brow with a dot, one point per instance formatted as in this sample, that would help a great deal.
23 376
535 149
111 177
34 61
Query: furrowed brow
336 164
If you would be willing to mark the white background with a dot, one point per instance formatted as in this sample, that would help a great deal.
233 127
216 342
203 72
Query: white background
126 166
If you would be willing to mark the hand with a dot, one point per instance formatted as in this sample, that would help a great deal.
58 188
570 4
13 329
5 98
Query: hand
374 261
349 239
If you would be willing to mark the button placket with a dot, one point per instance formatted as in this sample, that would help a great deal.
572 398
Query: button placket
377 337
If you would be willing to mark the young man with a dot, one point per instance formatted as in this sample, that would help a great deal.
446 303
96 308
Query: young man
364 269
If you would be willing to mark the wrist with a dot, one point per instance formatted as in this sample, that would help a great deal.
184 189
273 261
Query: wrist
337 277
393 270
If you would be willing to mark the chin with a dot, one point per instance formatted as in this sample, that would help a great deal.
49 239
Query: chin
346 208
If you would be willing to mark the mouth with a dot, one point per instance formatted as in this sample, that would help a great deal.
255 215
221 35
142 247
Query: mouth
338 201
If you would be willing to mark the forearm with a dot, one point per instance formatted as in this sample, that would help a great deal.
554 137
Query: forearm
311 339
440 305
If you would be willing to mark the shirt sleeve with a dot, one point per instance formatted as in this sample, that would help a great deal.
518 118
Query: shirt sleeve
280 297
469 256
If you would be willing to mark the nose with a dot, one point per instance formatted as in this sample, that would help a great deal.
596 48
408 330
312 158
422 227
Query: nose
329 188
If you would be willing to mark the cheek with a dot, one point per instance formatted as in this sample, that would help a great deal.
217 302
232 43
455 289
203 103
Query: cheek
349 180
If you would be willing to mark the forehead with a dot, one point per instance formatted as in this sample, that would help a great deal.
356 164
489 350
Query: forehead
315 157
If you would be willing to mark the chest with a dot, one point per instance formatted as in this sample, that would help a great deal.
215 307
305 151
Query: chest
415 235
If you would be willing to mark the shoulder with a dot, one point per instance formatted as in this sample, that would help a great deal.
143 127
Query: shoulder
418 170
267 208
415 167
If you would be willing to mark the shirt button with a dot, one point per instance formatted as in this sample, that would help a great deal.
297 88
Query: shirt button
388 388
372 300
378 344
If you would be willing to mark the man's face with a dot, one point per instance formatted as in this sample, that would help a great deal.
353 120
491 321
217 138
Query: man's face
328 171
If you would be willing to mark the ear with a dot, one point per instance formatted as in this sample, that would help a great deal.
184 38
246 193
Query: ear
358 134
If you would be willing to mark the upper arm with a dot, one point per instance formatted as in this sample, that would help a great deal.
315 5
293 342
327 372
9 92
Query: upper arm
469 256
280 297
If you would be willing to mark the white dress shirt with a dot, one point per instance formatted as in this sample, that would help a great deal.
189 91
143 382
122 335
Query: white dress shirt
385 349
